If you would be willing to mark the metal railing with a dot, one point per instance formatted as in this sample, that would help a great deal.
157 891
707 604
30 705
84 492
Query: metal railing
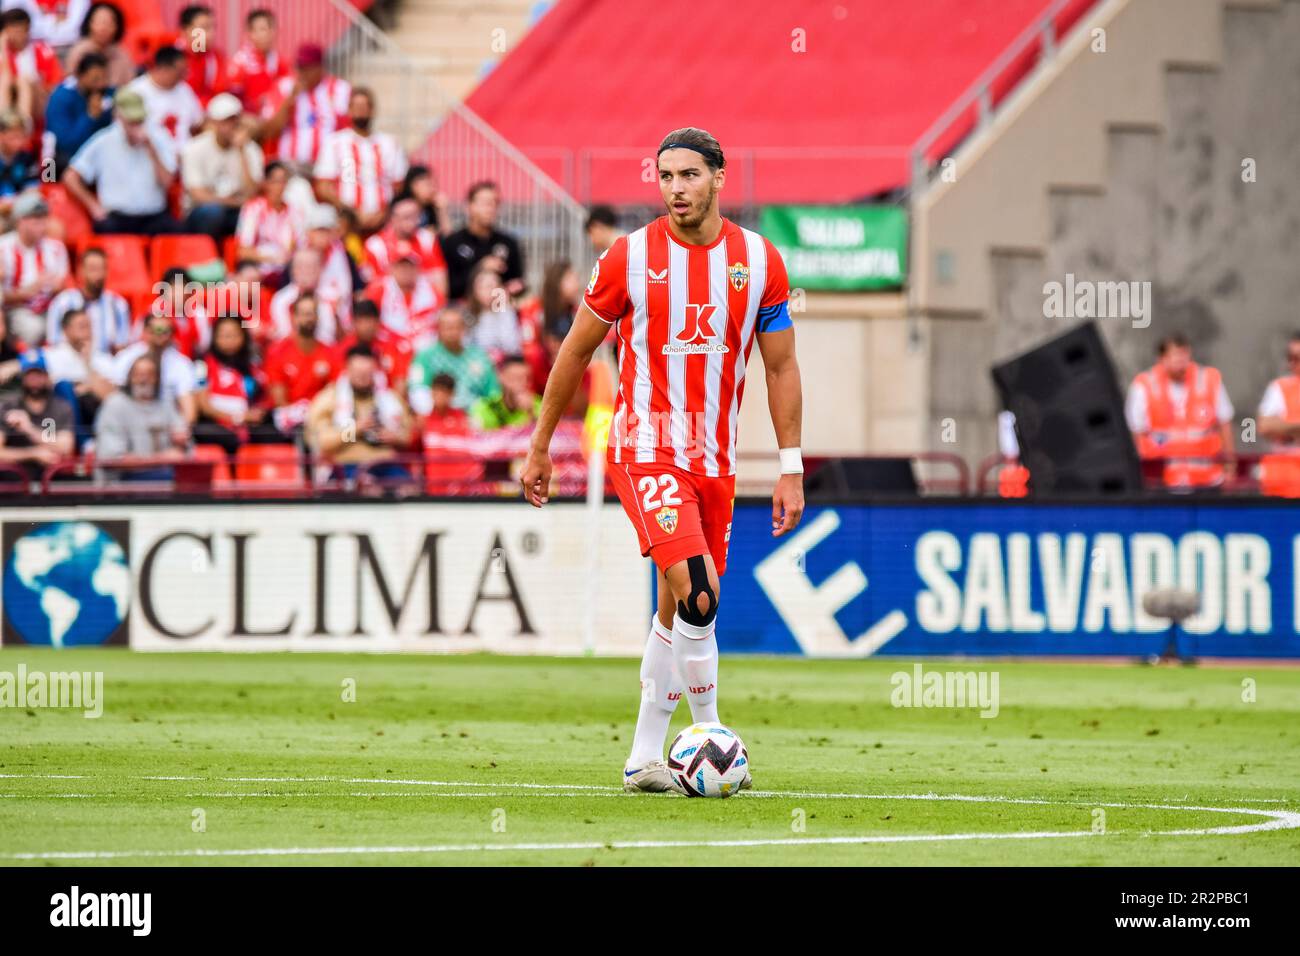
1037 42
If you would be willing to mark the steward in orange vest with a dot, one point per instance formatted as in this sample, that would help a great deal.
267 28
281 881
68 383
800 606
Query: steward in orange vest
1179 414
1279 420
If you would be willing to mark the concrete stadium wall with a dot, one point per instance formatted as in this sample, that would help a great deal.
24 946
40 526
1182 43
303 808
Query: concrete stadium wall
1124 165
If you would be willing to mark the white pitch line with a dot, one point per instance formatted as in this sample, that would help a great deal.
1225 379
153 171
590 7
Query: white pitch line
1275 820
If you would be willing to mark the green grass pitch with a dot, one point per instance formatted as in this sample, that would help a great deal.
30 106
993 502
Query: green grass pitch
258 759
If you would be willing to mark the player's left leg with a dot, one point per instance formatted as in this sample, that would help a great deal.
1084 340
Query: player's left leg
661 689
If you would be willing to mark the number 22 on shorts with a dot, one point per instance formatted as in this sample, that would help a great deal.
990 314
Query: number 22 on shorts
649 484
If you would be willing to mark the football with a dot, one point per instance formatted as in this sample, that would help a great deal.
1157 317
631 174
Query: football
708 760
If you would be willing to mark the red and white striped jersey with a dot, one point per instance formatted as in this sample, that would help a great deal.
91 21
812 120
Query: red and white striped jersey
20 265
267 229
685 318
362 168
35 61
412 315
315 114
383 248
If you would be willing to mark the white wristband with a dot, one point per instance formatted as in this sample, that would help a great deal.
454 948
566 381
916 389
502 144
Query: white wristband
791 461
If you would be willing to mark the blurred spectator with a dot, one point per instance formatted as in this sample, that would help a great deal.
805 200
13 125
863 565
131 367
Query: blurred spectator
480 240
176 371
358 167
29 69
305 279
393 352
339 274
463 361
56 22
79 107
250 298
494 324
11 350
359 419
444 417
205 63
234 399
1279 422
257 66
33 267
561 296
139 420
407 302
80 373
132 168
421 186
1180 413
171 106
404 233
517 403
192 326
298 366
108 313
36 426
304 110
18 172
602 228
268 226
221 169
101 32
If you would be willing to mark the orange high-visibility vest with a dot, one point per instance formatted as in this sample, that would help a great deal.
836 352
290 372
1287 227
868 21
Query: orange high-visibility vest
1279 471
1188 442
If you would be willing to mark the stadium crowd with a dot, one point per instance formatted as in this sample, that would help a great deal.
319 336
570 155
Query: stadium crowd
202 249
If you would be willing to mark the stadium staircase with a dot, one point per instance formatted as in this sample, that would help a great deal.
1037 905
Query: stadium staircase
1123 165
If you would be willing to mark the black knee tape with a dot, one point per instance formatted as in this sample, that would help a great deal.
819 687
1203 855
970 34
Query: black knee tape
689 611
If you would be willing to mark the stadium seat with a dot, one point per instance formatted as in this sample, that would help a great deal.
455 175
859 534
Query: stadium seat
180 250
230 252
65 209
269 467
220 463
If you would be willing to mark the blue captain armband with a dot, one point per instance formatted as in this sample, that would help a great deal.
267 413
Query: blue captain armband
774 318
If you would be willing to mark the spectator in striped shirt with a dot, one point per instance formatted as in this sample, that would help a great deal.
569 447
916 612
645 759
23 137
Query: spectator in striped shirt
108 312
358 168
33 267
28 68
268 226
301 112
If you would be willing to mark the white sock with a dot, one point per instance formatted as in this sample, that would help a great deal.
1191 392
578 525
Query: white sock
696 652
660 691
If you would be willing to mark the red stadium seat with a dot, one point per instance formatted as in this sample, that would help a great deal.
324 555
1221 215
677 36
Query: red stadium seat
220 463
181 250
269 467
66 210
230 252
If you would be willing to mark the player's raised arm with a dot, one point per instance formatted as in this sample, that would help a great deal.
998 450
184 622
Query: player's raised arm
785 402
571 362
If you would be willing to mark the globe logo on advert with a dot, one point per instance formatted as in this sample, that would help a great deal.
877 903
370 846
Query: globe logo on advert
66 582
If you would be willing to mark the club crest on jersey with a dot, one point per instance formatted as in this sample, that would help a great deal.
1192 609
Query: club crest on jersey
739 275
667 518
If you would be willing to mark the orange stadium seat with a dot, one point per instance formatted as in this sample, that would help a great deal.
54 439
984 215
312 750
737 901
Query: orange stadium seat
69 212
269 467
180 250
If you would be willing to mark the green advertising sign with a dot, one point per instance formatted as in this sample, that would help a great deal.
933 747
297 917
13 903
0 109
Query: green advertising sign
839 247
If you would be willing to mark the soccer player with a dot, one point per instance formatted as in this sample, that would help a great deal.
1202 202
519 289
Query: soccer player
688 295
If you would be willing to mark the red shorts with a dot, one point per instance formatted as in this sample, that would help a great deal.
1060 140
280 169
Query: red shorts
677 515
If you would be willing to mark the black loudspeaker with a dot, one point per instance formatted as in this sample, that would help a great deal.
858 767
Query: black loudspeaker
1070 417
850 477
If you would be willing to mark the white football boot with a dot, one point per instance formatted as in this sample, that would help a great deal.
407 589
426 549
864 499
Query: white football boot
652 778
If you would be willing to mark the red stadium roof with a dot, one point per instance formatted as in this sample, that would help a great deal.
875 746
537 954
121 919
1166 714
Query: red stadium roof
592 89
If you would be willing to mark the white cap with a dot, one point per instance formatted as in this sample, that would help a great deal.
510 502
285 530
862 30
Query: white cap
322 216
224 106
